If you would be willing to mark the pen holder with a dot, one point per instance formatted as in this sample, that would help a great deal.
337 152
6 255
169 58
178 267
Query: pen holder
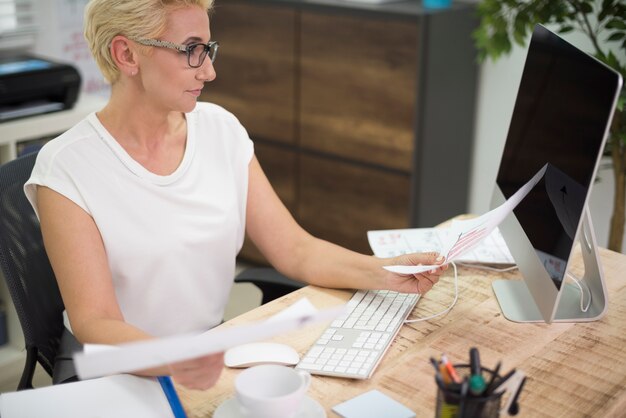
453 402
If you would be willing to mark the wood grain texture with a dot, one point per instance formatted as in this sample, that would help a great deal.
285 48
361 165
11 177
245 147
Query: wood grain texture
574 370
255 67
358 87
340 201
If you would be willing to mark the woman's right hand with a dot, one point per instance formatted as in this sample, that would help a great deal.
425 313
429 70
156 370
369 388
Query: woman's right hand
199 373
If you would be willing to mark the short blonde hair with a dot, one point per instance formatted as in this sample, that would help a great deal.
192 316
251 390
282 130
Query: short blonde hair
105 19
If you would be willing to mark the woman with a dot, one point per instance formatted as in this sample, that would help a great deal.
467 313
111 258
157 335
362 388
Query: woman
144 204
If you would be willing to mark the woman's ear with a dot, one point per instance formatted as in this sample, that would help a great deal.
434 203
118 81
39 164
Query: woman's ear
124 55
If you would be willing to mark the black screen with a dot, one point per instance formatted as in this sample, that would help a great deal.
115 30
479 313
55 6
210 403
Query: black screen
559 119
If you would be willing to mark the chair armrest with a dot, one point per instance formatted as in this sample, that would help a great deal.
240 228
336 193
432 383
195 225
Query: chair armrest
272 283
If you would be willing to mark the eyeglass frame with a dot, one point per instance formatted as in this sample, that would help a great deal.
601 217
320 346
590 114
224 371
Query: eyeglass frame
188 49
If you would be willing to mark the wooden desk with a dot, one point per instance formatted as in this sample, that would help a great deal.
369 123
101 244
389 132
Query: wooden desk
574 370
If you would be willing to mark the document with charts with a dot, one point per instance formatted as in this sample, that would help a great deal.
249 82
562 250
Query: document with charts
462 236
393 242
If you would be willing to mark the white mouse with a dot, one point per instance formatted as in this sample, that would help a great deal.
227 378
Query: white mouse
252 354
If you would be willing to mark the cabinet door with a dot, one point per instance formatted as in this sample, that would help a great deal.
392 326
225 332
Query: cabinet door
255 67
340 201
279 165
358 87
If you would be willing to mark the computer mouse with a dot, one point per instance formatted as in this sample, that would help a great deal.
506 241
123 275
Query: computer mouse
252 354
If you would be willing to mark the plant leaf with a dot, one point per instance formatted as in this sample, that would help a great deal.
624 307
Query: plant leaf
616 23
616 36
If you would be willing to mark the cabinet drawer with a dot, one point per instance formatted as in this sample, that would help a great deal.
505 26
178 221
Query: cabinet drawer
341 201
358 87
255 67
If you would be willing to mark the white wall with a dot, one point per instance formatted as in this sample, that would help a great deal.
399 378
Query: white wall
497 90
60 37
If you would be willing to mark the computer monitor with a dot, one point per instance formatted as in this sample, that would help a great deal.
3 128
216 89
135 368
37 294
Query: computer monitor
562 114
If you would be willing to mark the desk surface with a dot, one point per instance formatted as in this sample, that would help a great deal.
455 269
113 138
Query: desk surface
573 370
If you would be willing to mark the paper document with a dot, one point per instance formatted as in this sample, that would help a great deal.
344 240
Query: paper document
157 352
122 396
464 235
394 242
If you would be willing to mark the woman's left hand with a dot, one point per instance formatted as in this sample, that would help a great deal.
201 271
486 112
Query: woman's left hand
415 283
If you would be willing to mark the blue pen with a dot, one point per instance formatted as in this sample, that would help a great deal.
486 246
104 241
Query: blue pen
172 396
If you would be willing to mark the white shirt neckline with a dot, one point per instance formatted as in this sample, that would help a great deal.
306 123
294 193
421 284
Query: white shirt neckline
137 169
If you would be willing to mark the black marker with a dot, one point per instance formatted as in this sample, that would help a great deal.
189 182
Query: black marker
494 375
477 383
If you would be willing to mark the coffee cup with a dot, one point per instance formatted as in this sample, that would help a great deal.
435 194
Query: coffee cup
271 391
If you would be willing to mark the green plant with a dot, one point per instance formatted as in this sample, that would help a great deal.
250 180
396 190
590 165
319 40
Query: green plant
503 22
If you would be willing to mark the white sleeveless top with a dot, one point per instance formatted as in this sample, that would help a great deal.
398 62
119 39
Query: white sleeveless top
171 241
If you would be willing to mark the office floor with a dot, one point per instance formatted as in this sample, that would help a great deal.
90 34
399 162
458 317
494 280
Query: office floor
244 297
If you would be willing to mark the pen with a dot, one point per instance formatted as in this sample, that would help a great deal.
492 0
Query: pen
172 396
513 383
450 369
476 381
494 374
435 363
474 361
500 386
514 408
463 396
438 375
445 376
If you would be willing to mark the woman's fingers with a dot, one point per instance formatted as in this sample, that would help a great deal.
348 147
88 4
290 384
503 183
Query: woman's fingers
199 373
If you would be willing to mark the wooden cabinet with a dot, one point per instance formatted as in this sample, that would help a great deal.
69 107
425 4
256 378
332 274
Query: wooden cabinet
256 67
357 83
341 201
362 115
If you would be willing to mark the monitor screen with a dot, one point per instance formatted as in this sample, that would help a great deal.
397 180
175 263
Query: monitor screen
560 118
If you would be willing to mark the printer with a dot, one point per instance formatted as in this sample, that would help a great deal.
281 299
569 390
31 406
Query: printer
30 85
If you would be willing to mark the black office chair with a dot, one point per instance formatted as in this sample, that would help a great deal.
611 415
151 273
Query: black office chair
30 280
271 283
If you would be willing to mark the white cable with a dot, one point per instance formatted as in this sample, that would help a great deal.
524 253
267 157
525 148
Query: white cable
456 297
582 292
456 290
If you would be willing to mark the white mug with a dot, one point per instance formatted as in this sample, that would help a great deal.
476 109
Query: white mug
271 391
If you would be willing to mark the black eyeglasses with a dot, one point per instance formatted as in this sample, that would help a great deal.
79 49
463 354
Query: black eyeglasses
196 52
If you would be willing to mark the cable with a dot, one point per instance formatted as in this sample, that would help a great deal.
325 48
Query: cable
456 288
456 297
582 292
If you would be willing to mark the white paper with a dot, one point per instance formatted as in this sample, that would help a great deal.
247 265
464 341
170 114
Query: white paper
464 235
393 242
121 396
300 308
157 352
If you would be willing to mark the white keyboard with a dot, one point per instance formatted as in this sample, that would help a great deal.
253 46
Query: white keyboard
353 345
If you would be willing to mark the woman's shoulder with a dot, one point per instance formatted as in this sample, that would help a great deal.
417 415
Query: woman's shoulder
207 110
76 134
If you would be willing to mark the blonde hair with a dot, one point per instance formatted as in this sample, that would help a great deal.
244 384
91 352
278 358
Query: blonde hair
105 19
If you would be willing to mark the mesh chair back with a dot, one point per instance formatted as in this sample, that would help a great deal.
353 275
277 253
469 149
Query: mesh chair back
25 265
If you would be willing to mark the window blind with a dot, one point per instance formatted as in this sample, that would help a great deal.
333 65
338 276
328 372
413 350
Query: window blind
17 23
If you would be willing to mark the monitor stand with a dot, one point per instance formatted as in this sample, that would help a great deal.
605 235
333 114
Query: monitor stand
517 303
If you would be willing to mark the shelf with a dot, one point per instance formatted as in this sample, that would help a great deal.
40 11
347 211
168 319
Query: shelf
34 127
